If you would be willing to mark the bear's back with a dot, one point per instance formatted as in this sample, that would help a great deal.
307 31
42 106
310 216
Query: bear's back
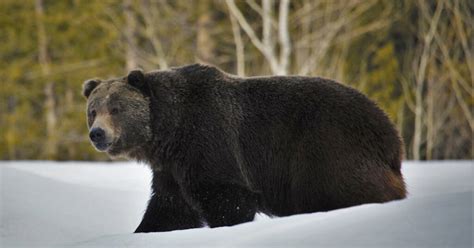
287 109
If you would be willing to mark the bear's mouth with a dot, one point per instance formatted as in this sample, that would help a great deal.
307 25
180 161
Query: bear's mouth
115 148
102 146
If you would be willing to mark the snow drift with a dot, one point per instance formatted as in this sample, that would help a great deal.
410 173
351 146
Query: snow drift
78 204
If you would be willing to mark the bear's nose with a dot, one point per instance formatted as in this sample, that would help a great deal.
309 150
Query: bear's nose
97 134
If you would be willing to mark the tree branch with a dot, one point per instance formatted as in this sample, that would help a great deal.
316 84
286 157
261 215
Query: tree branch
270 57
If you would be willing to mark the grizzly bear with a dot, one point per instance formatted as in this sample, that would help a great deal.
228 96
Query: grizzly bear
222 147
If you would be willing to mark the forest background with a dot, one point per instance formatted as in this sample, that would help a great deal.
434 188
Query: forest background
413 57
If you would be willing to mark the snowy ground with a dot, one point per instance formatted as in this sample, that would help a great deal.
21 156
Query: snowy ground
75 204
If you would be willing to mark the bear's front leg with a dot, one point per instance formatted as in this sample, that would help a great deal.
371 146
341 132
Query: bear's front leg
225 204
167 210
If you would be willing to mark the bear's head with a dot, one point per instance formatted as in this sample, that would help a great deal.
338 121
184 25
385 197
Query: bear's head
118 114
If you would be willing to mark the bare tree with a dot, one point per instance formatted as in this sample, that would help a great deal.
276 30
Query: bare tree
130 29
239 46
205 43
150 11
428 36
328 24
441 91
141 39
51 148
317 27
278 60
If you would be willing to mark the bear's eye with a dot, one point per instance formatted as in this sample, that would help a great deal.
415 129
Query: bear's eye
114 111
93 113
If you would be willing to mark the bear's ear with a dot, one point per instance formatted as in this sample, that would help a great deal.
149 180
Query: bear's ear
136 78
89 86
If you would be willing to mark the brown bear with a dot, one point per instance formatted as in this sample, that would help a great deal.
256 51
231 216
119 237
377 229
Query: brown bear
222 147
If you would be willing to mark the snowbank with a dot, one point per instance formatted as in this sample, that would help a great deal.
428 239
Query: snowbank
46 204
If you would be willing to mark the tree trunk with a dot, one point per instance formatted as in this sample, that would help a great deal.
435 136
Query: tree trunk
51 148
205 44
430 119
239 46
418 121
284 36
130 27
51 121
69 109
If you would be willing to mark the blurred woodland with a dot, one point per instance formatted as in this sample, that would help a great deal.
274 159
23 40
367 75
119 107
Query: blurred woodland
413 57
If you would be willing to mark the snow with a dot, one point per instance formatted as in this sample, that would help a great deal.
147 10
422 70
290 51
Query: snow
79 204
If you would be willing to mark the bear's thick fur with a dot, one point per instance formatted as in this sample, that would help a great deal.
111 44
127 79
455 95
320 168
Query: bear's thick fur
222 147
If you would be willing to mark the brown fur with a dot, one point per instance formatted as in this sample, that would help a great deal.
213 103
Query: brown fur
121 127
223 147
